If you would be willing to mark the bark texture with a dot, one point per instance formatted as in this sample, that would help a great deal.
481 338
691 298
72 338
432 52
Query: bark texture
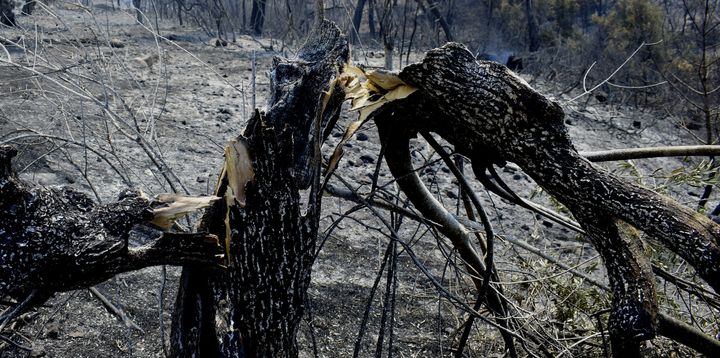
492 116
57 239
52 240
257 16
259 300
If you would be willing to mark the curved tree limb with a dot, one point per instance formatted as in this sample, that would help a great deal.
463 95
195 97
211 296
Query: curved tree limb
397 156
472 201
493 116
667 326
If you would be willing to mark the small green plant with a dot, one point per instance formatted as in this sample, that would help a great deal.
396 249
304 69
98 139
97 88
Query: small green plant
695 175
630 23
575 302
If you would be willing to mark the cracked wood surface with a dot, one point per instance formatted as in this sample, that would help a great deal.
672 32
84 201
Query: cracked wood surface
488 113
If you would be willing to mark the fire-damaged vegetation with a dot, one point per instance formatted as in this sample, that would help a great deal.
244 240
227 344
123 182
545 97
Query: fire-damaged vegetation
359 178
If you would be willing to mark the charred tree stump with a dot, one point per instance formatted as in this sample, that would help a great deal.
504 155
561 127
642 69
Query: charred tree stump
261 296
54 240
492 116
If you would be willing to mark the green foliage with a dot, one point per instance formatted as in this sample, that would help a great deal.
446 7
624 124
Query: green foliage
694 175
575 298
628 167
691 174
565 13
630 23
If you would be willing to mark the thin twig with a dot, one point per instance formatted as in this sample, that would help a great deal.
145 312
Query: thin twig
653 152
15 344
584 80
119 313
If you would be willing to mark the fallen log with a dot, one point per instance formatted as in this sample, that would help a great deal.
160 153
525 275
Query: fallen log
58 239
492 116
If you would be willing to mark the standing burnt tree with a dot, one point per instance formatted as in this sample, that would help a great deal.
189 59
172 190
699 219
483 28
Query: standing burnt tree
257 16
252 307
270 243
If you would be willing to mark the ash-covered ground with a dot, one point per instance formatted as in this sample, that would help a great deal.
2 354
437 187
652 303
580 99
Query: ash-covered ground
79 86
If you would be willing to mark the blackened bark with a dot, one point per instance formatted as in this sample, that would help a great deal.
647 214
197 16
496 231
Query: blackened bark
194 332
433 7
257 16
259 300
55 240
271 254
357 18
492 116
532 24
634 317
194 327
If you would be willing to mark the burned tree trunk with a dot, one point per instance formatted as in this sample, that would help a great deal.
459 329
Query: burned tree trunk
54 240
257 16
493 116
357 19
533 27
261 296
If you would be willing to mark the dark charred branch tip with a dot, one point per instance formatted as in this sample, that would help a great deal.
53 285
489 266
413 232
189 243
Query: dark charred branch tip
6 155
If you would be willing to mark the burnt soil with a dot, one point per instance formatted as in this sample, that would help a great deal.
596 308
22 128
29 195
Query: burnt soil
67 87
